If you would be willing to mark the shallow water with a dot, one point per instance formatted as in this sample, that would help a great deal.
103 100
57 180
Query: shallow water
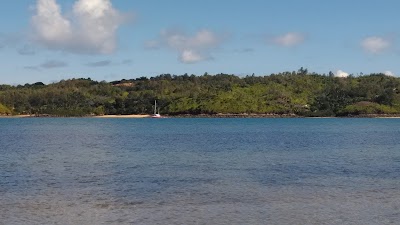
199 171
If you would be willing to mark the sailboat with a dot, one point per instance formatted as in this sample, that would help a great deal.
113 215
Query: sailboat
156 113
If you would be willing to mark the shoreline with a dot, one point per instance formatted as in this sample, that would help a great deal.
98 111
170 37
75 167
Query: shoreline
220 115
16 116
103 116
121 116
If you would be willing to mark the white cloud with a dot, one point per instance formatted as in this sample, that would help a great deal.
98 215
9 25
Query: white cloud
190 56
49 24
203 39
389 73
375 45
91 28
341 73
289 39
191 49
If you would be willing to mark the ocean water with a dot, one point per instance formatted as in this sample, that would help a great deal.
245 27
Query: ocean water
199 171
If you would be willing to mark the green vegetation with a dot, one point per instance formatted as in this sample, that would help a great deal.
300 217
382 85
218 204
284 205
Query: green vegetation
300 93
4 110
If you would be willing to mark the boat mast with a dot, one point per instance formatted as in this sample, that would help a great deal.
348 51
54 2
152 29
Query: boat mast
155 107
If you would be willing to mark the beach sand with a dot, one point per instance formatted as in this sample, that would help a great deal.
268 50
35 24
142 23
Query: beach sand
104 116
16 116
123 116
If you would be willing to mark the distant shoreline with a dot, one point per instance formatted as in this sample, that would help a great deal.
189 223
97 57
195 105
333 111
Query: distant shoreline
16 116
52 116
122 116
220 115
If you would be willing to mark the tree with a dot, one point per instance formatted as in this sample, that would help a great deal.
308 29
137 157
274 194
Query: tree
4 110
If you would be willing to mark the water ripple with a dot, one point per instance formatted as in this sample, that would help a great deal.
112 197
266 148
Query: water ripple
199 171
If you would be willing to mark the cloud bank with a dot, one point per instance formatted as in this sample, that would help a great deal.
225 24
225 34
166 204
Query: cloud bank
191 49
91 28
375 45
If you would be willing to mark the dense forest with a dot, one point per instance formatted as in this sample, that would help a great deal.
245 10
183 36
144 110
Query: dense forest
297 93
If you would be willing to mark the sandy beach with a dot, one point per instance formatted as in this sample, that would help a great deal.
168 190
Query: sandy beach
104 116
16 116
123 116
383 116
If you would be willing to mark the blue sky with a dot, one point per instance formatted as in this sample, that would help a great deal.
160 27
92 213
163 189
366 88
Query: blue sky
50 40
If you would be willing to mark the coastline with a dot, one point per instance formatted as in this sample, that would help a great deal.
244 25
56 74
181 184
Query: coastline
270 115
51 116
236 115
219 115
16 116
122 116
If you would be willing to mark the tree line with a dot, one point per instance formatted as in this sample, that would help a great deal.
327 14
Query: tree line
296 93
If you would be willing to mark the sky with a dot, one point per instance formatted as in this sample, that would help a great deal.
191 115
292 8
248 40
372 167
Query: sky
50 40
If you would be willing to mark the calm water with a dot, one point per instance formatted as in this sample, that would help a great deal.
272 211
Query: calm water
199 171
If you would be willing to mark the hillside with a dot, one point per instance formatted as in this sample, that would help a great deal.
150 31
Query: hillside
300 93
